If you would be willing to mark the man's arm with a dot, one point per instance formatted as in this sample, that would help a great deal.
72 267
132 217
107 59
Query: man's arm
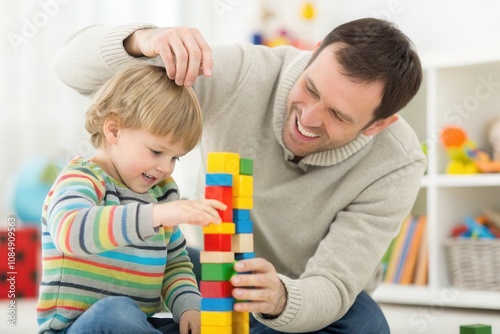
92 55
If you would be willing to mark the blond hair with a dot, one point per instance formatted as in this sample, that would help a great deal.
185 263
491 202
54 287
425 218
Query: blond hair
142 97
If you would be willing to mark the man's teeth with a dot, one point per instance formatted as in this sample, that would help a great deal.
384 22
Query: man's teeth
304 132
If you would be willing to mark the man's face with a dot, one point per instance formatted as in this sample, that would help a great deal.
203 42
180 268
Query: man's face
326 109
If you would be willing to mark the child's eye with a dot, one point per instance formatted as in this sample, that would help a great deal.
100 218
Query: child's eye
156 152
176 159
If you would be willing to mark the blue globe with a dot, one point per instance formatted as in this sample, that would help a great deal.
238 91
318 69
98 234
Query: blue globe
31 185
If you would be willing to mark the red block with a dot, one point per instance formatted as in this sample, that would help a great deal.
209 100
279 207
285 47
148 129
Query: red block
20 262
225 195
216 289
217 242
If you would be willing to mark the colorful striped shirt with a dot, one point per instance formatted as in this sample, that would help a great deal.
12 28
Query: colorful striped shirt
98 241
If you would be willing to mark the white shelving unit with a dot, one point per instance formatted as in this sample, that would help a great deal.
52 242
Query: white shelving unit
458 89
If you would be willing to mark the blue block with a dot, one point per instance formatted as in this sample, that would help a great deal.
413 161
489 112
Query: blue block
244 256
243 226
217 304
240 214
219 179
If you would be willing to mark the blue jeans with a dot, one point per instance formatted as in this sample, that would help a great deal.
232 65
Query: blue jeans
119 315
364 317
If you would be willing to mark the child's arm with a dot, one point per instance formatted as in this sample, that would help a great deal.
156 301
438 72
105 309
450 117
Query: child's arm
80 224
180 290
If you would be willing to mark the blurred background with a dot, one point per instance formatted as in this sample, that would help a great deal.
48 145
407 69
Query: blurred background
41 119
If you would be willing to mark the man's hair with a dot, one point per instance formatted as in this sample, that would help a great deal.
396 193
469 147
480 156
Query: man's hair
374 50
142 97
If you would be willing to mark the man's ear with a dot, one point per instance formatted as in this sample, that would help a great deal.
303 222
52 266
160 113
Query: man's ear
379 125
111 130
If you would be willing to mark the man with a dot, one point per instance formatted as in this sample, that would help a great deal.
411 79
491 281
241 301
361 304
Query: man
336 170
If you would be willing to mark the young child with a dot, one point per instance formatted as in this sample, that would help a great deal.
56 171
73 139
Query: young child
113 254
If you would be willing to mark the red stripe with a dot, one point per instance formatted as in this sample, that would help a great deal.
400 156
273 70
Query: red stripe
105 266
84 176
180 279
110 226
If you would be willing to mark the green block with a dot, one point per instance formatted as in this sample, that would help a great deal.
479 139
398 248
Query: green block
475 329
246 166
217 271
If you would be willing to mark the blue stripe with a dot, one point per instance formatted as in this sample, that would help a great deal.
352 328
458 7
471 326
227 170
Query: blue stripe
124 227
151 261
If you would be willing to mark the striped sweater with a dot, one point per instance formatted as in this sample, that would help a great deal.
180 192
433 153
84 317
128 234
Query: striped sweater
98 241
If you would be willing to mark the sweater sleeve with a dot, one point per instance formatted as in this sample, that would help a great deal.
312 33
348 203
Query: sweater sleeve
180 290
92 55
79 225
342 266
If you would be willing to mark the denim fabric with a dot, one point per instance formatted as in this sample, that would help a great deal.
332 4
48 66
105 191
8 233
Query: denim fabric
119 315
364 317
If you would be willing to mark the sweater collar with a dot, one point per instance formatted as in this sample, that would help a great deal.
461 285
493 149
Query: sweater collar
289 76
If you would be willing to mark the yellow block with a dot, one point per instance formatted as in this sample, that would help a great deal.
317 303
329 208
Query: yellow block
216 319
245 203
241 317
223 162
242 186
216 257
216 329
222 228
241 328
242 243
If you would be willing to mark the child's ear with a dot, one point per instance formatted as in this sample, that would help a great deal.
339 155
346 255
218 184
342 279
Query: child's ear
111 130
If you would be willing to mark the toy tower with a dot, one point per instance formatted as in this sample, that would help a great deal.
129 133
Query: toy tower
229 179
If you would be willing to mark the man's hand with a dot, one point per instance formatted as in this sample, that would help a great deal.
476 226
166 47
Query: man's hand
190 322
262 288
184 51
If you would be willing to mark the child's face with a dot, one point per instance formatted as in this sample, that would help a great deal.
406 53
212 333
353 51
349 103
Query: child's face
140 160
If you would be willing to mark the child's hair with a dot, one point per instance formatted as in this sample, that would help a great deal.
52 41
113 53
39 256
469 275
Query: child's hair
142 97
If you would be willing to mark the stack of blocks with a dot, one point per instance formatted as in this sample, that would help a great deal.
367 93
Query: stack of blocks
229 179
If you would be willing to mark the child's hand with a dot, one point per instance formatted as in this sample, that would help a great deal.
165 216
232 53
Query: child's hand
198 212
190 322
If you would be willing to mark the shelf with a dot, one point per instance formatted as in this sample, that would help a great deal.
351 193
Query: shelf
461 89
437 297
473 180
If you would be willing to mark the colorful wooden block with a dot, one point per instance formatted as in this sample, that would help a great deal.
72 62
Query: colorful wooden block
217 319
241 328
244 256
243 226
224 195
216 289
223 162
216 257
242 243
243 203
222 228
219 179
242 186
217 304
240 317
217 271
246 166
475 329
240 214
217 242
216 329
